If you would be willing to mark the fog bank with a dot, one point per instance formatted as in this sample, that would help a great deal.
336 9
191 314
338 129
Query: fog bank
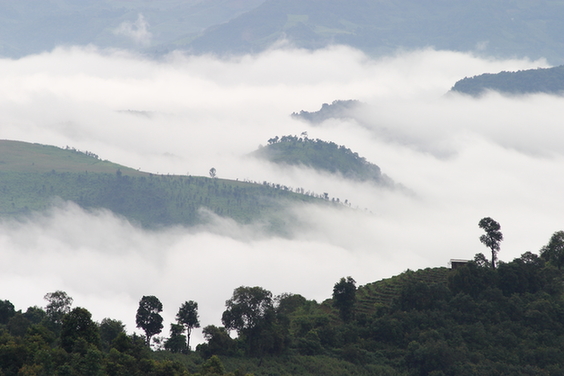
459 158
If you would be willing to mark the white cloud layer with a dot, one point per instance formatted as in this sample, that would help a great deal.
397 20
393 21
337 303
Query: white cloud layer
461 158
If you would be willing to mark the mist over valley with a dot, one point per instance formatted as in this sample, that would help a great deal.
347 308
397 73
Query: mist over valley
431 165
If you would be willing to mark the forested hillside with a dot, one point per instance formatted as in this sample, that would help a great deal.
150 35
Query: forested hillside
472 320
549 81
322 156
33 175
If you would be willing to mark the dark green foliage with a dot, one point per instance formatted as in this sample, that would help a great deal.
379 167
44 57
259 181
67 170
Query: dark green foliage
473 320
148 316
38 351
553 252
79 331
218 342
289 303
7 311
213 366
419 295
433 357
252 314
35 314
109 330
547 80
12 357
344 298
377 297
525 275
472 280
323 156
177 341
248 308
18 325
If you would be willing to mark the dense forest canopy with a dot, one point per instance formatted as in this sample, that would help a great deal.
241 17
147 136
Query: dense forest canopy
471 320
323 156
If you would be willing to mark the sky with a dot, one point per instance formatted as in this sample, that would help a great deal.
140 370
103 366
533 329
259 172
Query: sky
457 160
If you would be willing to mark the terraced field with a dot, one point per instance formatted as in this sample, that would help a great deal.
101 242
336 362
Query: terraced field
382 293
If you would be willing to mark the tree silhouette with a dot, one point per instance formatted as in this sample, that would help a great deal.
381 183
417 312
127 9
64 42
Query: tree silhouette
148 317
251 312
492 237
188 317
344 297
247 308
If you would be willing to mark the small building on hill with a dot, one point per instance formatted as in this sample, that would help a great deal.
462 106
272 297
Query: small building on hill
457 263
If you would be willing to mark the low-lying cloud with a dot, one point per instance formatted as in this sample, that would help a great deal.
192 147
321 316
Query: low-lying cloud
459 158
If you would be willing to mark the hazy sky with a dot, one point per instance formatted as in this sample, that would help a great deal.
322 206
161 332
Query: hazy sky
460 159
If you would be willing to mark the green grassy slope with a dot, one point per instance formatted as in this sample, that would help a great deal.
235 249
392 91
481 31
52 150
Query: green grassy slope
33 175
23 157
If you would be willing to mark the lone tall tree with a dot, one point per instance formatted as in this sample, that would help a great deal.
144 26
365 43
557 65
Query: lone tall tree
148 317
344 297
492 237
188 317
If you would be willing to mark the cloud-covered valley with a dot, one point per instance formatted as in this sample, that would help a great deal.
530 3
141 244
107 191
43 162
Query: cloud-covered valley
459 158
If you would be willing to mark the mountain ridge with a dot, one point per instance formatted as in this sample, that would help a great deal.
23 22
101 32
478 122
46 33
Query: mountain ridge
530 81
226 27
506 29
32 175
